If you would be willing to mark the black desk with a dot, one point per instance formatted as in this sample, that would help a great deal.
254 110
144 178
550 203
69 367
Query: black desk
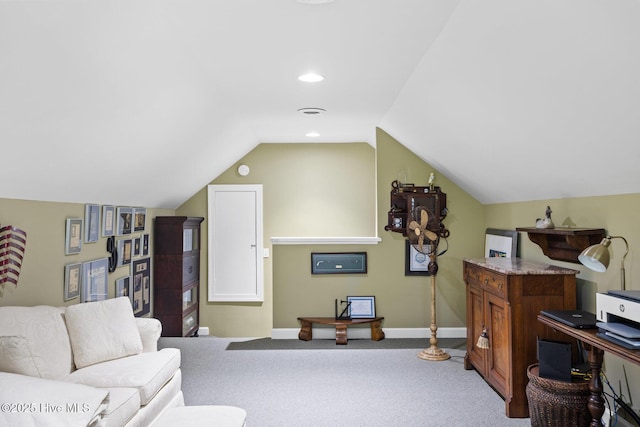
596 346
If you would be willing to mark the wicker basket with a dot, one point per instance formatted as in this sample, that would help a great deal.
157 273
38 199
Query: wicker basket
557 403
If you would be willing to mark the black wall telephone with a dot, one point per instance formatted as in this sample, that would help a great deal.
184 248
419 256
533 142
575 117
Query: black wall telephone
113 251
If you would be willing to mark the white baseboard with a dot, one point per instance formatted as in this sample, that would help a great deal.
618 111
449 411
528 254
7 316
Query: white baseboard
329 332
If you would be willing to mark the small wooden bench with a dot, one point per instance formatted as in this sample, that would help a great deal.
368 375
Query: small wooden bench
341 325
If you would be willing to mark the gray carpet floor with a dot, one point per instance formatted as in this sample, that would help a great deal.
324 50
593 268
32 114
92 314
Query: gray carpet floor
337 385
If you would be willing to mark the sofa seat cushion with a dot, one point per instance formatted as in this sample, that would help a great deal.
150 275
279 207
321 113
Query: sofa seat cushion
168 397
42 402
38 339
146 372
124 403
102 330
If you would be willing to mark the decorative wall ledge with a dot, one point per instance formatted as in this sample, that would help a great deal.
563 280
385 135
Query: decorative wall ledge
326 240
564 244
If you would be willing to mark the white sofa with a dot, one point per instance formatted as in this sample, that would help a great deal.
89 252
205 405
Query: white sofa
91 364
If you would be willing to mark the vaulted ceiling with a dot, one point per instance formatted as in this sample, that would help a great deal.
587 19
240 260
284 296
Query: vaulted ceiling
143 102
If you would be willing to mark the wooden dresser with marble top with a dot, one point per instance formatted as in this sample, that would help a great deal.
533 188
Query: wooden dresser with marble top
505 296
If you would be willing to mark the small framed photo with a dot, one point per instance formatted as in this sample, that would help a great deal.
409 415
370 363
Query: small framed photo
108 220
94 280
72 280
73 236
139 219
137 246
123 288
500 243
362 307
416 263
145 245
124 221
124 252
91 223
141 276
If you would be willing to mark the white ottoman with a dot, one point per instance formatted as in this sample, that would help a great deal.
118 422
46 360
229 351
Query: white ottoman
201 416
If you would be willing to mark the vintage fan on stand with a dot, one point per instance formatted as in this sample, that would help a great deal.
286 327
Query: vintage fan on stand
417 234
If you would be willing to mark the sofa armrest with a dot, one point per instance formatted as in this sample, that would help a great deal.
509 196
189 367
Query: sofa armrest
150 330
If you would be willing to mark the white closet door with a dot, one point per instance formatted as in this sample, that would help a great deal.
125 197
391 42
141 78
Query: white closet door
235 243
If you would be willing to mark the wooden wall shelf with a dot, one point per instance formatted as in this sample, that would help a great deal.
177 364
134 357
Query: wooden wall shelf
563 243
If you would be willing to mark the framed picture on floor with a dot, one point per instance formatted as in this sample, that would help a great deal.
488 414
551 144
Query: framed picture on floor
362 307
500 243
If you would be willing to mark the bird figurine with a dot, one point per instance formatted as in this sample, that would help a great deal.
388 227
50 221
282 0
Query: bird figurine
546 221
432 178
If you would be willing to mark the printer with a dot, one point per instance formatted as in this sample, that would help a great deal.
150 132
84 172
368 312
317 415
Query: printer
618 316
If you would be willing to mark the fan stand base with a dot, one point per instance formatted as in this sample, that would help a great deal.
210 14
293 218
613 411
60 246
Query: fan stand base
434 353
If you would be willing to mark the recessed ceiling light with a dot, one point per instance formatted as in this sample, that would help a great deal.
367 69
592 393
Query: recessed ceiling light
311 110
312 134
311 78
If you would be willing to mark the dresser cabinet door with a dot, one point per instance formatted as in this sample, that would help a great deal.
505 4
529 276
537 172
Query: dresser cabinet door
500 348
475 323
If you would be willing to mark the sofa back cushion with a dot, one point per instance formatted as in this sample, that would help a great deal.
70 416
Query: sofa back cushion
102 330
35 342
16 357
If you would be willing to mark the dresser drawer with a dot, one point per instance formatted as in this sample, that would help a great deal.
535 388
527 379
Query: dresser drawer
493 282
190 269
472 274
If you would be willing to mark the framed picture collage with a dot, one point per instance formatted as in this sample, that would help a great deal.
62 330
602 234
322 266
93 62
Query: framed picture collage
127 245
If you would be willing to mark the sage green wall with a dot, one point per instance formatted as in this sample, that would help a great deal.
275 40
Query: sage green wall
618 216
319 190
42 276
404 301
328 190
411 294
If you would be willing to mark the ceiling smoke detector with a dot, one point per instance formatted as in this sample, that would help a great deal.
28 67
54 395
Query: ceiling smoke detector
311 111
